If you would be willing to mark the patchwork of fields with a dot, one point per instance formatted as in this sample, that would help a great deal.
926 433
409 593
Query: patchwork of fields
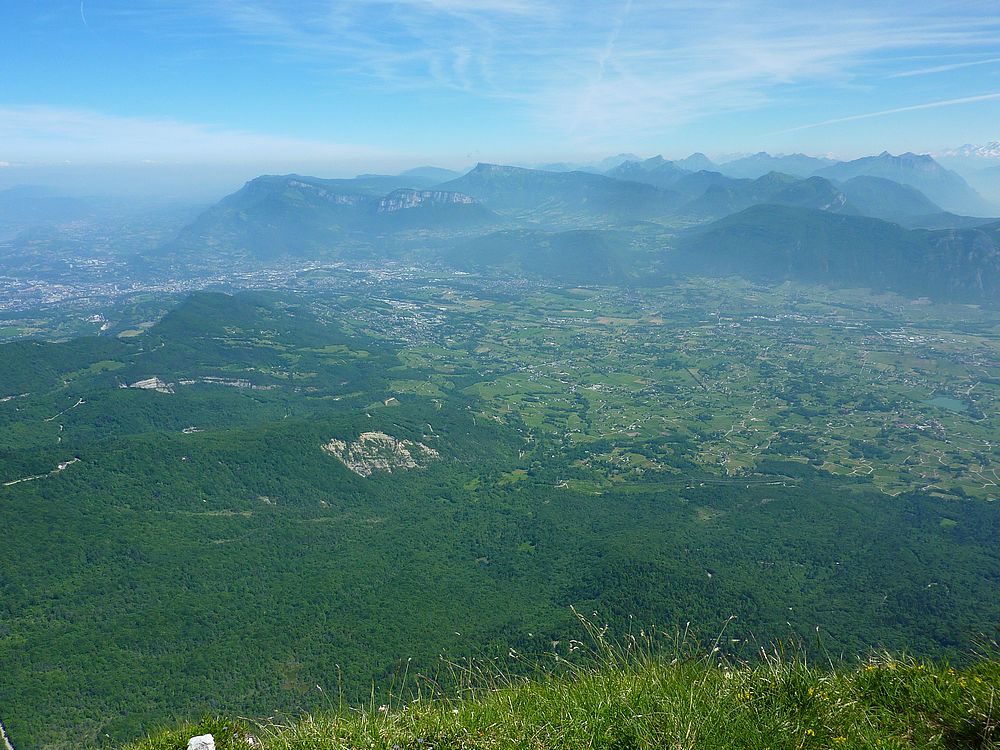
717 379
268 497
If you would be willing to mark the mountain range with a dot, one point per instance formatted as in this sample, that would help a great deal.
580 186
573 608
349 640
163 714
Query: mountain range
883 221
944 187
761 163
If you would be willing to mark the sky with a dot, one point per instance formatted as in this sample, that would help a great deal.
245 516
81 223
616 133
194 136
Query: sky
334 87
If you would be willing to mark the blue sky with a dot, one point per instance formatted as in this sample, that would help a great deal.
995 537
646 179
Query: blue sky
334 86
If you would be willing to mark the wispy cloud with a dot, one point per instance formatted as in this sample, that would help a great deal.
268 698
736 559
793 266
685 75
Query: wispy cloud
895 110
943 68
48 134
588 68
579 74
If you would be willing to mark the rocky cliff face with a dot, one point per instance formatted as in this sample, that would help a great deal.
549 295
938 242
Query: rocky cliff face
400 200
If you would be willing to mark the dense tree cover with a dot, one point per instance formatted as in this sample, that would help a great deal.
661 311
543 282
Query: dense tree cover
584 256
239 567
776 243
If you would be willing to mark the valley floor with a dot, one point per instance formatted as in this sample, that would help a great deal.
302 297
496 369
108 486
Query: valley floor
269 491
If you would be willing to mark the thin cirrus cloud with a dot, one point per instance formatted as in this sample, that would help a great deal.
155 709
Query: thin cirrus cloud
895 110
943 68
51 134
597 68
520 75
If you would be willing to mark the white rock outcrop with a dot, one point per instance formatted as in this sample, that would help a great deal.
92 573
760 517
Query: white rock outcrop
376 451
201 742
153 384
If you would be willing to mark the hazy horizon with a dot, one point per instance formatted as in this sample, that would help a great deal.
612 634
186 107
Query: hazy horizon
199 182
335 89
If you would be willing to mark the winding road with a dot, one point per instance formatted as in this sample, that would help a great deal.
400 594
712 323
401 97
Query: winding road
6 740
33 477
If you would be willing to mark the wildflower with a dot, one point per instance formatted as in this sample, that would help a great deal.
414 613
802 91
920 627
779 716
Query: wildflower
840 739
810 733
383 708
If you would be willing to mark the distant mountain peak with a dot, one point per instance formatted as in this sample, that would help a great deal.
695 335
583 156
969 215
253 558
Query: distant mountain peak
697 162
613 161
438 174
906 156
485 168
942 186
989 150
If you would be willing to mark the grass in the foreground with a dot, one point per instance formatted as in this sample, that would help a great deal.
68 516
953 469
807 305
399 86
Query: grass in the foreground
631 699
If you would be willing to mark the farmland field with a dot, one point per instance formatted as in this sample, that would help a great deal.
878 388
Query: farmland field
652 385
